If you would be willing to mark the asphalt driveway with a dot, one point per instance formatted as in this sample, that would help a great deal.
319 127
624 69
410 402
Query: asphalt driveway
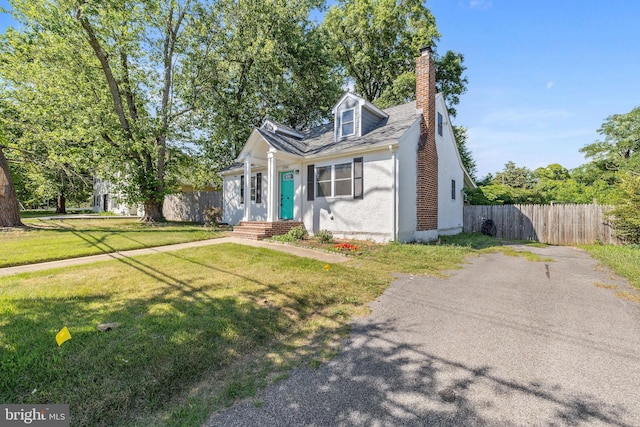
501 342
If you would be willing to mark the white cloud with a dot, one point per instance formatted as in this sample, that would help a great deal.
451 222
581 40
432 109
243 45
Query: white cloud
550 84
480 4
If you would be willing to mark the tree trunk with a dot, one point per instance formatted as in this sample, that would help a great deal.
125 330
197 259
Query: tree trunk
9 208
153 211
61 204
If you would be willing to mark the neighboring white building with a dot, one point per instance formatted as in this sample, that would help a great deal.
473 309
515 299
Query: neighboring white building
393 174
106 199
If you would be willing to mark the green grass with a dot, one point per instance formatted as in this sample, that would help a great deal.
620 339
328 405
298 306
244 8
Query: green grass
37 213
624 260
198 328
48 240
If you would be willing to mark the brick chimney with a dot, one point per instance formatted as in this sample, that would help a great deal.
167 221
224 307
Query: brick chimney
427 155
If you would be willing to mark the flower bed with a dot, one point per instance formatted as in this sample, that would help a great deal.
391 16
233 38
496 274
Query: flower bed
346 247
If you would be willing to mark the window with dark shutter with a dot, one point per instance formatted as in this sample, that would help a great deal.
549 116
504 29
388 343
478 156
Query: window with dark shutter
242 189
259 188
453 189
311 170
358 185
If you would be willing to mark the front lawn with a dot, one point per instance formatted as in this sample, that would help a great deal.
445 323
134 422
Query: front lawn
198 328
48 240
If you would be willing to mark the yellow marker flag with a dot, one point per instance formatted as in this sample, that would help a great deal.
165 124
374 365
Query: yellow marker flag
327 267
62 336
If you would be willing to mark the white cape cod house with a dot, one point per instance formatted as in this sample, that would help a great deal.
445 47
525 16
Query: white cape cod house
392 174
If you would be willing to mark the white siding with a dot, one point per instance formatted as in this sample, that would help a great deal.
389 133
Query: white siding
407 213
368 218
233 210
450 218
259 210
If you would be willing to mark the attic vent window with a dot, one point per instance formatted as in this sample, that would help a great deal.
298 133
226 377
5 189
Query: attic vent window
439 124
347 126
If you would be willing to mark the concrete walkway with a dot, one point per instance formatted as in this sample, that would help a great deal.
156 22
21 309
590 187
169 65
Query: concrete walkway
502 342
293 250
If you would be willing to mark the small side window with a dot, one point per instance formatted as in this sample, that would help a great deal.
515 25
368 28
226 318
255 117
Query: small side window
259 188
453 189
439 124
241 189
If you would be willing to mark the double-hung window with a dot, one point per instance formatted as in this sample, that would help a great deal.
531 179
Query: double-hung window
334 180
347 123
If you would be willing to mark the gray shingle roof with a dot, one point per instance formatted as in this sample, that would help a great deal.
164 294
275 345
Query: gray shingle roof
320 140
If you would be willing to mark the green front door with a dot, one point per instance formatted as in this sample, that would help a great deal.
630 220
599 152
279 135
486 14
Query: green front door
286 195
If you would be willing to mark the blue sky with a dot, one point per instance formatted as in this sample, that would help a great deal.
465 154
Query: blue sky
543 75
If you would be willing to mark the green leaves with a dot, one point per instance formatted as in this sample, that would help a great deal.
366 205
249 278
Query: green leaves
377 41
263 59
616 160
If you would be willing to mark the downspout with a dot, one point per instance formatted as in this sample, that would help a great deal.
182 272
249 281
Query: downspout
394 190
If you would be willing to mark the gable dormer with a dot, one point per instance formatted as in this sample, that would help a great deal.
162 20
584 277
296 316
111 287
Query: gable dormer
354 117
273 126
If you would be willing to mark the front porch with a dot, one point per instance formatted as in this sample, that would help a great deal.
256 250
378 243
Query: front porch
260 230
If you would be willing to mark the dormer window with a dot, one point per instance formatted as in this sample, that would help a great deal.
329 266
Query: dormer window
347 125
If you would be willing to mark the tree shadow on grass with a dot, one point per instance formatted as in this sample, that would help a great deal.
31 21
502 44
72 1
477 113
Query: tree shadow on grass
165 343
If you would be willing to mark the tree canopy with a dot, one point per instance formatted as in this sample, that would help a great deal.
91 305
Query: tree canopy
617 158
261 59
131 88
551 184
377 42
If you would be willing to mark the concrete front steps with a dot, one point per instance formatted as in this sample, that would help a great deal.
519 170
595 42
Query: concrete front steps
259 230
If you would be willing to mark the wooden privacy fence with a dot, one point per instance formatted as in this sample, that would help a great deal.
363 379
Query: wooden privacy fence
190 206
553 224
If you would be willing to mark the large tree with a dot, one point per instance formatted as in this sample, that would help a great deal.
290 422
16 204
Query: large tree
377 41
47 158
262 59
118 62
617 156
9 208
140 84
460 134
620 147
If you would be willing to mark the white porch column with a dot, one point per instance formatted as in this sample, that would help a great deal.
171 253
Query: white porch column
272 190
247 189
